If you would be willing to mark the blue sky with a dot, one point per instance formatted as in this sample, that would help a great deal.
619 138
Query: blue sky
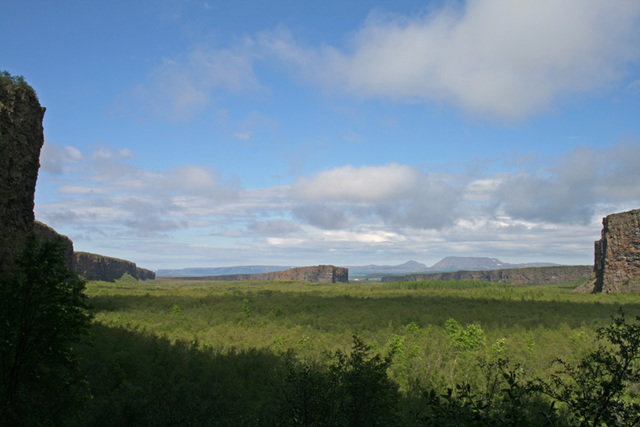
218 133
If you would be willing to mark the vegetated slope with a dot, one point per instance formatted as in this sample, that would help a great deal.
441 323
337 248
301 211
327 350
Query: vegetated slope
516 276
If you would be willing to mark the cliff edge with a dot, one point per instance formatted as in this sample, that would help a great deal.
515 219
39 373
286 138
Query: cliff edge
21 139
317 274
617 254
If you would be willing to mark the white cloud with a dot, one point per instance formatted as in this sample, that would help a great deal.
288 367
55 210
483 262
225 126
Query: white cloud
497 58
352 137
364 184
243 135
54 158
180 87
106 191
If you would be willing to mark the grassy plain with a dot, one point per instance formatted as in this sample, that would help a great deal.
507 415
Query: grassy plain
250 329
530 324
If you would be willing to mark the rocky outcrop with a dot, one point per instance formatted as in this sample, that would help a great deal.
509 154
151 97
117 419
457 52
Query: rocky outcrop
617 254
317 274
44 232
144 274
515 276
21 138
99 267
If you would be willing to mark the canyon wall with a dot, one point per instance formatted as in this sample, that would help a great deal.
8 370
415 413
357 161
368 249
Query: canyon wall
515 276
317 274
100 267
21 138
617 254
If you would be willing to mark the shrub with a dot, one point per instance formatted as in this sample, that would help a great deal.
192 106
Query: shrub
42 314
596 390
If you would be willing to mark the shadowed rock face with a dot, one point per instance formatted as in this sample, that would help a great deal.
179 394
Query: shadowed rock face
99 267
44 232
317 274
515 276
21 138
617 254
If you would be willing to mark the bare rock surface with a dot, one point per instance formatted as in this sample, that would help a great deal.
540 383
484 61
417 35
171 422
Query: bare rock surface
21 139
617 254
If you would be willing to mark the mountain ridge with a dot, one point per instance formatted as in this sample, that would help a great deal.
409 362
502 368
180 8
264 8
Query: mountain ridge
373 270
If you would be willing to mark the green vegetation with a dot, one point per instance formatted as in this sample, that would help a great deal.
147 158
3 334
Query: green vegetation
42 315
419 353
291 353
6 79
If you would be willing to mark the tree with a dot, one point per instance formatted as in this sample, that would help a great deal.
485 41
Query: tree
43 313
597 389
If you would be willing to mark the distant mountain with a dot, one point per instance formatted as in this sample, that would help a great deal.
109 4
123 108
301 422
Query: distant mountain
221 271
383 270
454 263
370 271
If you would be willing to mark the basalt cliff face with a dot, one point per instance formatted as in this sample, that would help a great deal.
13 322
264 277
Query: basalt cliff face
617 254
21 139
317 274
100 267
514 276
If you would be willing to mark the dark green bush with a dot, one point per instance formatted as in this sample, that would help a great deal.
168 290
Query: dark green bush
42 315
354 390
597 390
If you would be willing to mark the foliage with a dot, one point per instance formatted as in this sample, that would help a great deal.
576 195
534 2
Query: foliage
6 80
596 389
355 391
188 353
507 398
42 315
464 339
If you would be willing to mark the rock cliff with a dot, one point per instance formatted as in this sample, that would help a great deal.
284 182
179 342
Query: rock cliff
21 139
515 276
317 274
617 254
99 267
44 232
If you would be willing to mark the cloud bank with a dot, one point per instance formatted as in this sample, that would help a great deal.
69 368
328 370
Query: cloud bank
350 208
